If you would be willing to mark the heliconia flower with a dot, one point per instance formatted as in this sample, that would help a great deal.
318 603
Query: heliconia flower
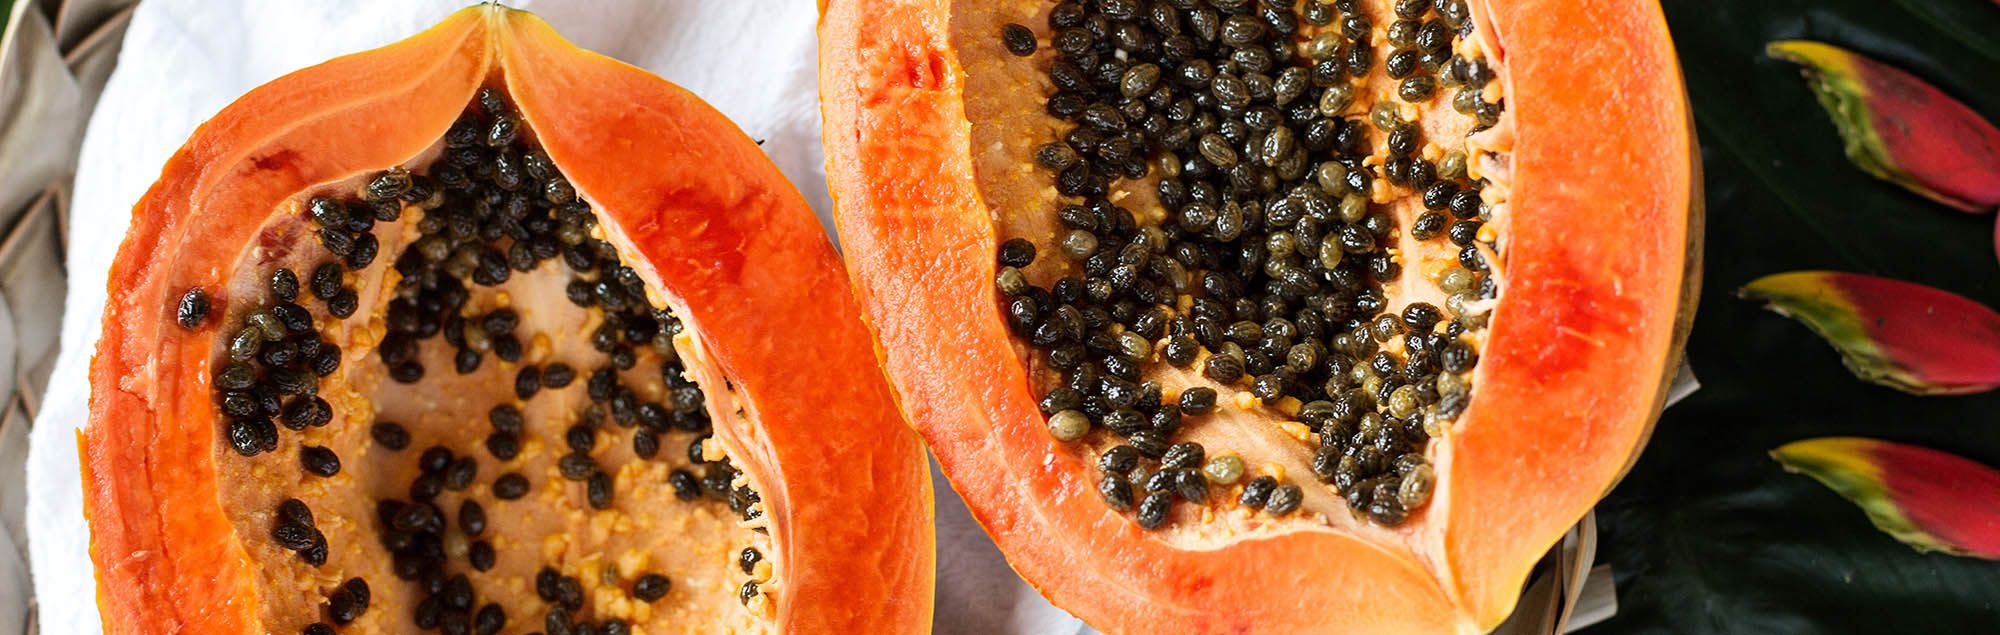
1903 335
1900 128
1930 500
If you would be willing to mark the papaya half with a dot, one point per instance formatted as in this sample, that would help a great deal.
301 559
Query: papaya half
1231 316
481 332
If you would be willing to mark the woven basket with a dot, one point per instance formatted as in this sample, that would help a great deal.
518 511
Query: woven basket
54 58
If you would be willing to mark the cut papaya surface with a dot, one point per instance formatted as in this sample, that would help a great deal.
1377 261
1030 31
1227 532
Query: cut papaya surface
482 332
1242 316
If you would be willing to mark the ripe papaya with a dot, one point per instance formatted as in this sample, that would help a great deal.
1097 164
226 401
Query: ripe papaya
483 332
1241 316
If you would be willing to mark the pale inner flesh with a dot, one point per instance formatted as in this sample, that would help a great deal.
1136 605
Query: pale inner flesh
1004 101
695 544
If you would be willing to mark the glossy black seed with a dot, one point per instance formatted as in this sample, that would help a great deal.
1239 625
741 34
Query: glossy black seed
1401 64
558 375
1181 351
1257 492
1054 156
482 556
503 446
580 294
1191 485
500 321
458 593
1223 368
1123 421
1284 500
317 628
1463 233
293 537
315 555
652 586
506 418
1197 401
1120 459
1422 174
327 280
510 486
1359 60
407 372
250 436
389 184
236 376
1458 357
569 592
1116 490
1061 398
490 619
1183 456
686 486
645 443
1465 204
295 318
466 360
343 304
326 360
576 466
1470 258
1429 225
749 590
327 212
268 399
1417 88
1268 387
653 416
548 586
240 404
319 461
1421 316
363 253
343 605
581 438
426 488
472 517
337 241
296 512
527 382
461 473
1018 39
1153 509
1016 252
435 459
193 308
1149 443
1434 36
557 620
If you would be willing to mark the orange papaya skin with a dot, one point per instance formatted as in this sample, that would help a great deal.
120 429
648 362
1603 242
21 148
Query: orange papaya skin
723 230
1586 335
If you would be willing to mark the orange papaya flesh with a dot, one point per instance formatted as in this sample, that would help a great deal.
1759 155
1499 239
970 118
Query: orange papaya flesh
940 120
465 435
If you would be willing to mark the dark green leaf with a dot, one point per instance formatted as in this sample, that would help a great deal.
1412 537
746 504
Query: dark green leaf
1708 534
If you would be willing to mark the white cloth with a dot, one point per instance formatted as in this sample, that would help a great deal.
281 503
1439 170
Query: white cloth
185 59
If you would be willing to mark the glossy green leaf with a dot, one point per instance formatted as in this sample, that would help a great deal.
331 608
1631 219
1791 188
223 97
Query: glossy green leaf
1708 534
